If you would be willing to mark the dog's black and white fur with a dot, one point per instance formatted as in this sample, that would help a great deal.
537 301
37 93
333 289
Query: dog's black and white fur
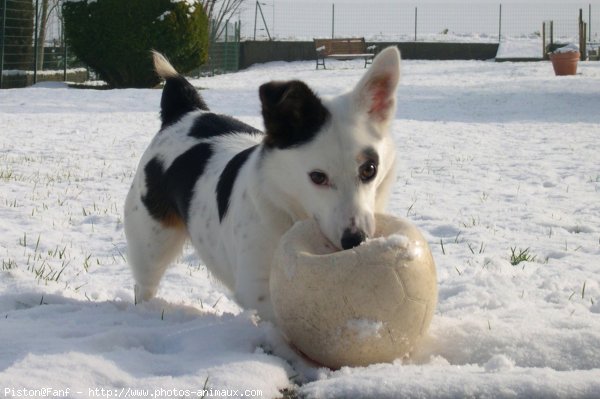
234 190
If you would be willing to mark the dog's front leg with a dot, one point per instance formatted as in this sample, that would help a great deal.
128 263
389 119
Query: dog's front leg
252 280
256 236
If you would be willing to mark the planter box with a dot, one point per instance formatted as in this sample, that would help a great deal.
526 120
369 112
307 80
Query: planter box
565 63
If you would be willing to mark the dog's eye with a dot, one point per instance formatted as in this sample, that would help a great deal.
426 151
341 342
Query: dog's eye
319 178
367 171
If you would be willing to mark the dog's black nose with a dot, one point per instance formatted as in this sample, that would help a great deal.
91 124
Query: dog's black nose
351 239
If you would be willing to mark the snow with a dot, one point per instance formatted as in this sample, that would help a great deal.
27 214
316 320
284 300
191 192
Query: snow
16 72
365 328
399 241
523 48
391 241
491 157
164 15
569 48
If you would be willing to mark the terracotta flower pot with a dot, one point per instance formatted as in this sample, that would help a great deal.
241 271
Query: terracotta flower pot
565 63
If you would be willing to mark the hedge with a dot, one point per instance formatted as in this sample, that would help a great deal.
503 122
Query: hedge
114 37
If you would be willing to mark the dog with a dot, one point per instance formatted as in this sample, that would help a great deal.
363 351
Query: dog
234 190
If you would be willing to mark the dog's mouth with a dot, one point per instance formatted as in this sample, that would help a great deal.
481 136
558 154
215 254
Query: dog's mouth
331 245
326 241
350 239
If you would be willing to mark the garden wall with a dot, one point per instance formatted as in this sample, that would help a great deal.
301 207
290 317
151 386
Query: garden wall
16 79
254 52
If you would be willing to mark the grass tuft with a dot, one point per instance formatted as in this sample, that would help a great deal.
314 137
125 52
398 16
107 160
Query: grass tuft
473 249
8 264
289 393
205 387
522 255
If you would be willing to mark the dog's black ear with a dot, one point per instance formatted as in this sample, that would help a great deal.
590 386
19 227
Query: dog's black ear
292 113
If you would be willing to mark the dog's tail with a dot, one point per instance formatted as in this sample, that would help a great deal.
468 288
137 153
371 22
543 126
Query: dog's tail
179 96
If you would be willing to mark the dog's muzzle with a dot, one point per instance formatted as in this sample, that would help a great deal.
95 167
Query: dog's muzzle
352 238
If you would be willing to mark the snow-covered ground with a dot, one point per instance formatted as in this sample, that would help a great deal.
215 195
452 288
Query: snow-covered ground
525 48
494 158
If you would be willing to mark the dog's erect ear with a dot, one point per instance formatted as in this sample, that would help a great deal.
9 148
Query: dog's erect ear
375 94
292 113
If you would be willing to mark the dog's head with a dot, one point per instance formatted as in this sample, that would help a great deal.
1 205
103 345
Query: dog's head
333 160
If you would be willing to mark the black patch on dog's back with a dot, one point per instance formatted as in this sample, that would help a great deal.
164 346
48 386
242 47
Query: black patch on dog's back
156 199
170 192
178 98
292 113
210 125
227 180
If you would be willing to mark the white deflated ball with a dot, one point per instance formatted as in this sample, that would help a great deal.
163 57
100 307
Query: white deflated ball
369 304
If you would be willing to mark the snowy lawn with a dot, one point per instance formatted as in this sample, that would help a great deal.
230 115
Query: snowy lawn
496 160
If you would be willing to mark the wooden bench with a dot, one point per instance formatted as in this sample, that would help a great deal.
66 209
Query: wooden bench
343 49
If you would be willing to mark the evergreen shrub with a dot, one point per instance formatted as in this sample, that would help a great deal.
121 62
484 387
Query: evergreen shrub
114 37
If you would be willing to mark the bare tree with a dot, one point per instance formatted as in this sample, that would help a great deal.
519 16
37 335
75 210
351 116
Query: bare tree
44 14
219 12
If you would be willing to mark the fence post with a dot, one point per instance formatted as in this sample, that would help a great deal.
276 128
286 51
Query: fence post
500 24
273 23
64 43
544 55
35 44
212 47
2 43
582 38
255 18
238 28
262 16
332 20
226 44
415 24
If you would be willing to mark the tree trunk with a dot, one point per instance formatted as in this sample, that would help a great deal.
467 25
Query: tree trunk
43 23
